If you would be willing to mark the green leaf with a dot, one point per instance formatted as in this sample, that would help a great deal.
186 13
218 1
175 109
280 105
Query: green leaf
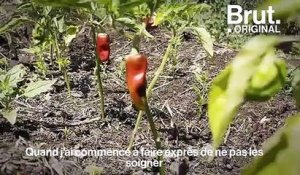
60 24
24 5
32 50
36 88
70 34
126 21
10 115
144 31
268 79
153 5
167 12
281 152
3 61
229 88
179 14
15 75
12 24
205 39
126 6
66 3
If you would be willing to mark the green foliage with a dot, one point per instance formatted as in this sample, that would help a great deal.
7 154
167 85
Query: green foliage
66 3
35 88
63 63
255 73
285 10
201 87
215 20
41 65
296 87
13 24
10 90
178 15
281 152
204 38
10 115
13 76
268 79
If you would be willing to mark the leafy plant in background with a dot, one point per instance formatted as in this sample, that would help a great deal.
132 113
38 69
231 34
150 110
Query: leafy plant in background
256 74
11 89
215 21
54 32
51 34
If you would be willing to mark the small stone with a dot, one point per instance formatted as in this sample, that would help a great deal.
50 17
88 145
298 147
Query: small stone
229 167
77 94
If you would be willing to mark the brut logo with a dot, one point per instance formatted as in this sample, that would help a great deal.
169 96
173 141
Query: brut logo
261 22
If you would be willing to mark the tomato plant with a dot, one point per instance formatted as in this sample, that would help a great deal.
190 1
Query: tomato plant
257 74
178 18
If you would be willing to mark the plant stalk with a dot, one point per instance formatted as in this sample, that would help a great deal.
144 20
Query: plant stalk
98 75
64 69
67 81
51 54
156 136
150 87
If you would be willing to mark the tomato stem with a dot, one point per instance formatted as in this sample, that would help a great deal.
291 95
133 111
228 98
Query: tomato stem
156 135
67 81
98 75
64 69
135 130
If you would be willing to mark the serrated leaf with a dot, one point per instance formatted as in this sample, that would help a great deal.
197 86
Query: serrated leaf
12 24
205 39
167 12
38 87
281 152
228 89
10 115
